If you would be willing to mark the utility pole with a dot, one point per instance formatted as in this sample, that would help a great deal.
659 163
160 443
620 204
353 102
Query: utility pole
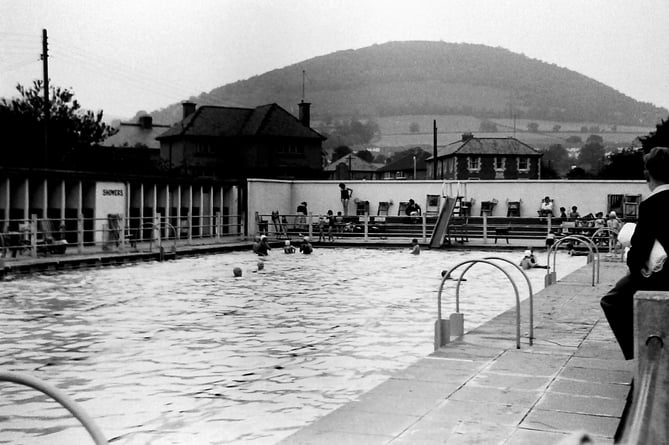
45 65
434 150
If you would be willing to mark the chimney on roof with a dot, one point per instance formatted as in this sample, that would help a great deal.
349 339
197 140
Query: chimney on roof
145 122
467 136
304 113
188 108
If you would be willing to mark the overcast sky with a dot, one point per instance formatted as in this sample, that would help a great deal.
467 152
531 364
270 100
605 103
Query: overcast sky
123 56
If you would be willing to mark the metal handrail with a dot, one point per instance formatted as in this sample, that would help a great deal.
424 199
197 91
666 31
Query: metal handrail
553 249
174 246
610 232
529 287
457 290
60 397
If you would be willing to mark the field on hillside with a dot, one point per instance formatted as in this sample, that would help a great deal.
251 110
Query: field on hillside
395 131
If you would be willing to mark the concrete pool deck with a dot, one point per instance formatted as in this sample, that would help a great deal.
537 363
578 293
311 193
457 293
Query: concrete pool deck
482 390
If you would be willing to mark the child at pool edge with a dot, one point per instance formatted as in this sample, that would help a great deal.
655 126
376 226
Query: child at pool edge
415 247
529 261
287 248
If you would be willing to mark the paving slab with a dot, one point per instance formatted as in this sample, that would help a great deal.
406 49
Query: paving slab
481 389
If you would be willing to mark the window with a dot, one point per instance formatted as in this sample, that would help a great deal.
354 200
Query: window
474 164
499 163
291 148
204 148
523 164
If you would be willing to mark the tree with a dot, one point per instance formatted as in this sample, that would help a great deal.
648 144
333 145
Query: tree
627 164
556 128
533 127
591 157
69 127
488 126
414 127
365 155
340 152
556 157
657 138
574 139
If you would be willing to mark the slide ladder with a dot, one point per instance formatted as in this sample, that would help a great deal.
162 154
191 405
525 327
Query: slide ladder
440 228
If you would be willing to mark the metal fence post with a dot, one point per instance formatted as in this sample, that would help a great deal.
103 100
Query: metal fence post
485 227
365 219
424 217
217 227
80 233
190 228
33 236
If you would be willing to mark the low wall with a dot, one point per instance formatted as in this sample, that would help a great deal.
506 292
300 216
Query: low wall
265 196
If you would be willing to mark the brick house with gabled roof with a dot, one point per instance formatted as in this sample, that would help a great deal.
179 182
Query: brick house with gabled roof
485 158
351 167
237 143
404 167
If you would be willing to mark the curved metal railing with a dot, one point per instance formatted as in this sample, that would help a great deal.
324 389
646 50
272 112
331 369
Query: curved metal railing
529 287
592 248
59 397
610 236
441 326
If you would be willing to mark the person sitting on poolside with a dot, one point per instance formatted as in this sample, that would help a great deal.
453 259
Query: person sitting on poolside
412 208
287 248
415 247
529 261
546 207
306 247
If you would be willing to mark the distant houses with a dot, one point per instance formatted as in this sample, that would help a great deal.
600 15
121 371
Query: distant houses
239 143
485 158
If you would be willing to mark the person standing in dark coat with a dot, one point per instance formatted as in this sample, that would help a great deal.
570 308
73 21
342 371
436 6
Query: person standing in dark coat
652 226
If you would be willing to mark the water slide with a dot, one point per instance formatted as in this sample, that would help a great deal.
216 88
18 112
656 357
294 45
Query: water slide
441 226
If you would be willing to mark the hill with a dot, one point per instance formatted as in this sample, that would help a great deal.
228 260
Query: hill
433 78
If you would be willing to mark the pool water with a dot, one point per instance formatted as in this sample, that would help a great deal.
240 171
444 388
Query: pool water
182 352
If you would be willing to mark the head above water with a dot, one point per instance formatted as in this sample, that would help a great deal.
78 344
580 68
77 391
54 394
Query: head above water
287 243
237 271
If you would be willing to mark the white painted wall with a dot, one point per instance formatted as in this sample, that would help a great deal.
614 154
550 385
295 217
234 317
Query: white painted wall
109 198
265 196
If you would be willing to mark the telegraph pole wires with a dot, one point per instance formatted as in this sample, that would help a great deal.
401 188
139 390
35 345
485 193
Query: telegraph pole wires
45 66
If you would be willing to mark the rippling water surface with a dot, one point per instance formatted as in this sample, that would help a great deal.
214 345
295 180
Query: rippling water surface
183 353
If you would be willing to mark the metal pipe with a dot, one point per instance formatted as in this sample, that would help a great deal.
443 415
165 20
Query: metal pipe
60 397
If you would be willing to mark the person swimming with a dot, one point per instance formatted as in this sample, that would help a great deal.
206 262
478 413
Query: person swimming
287 248
306 247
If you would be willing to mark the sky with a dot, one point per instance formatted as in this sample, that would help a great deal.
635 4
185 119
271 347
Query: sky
124 56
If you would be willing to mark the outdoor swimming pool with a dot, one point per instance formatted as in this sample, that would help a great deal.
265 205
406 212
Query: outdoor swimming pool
181 352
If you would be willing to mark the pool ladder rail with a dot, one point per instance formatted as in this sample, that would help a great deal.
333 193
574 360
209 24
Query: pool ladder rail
454 325
62 398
